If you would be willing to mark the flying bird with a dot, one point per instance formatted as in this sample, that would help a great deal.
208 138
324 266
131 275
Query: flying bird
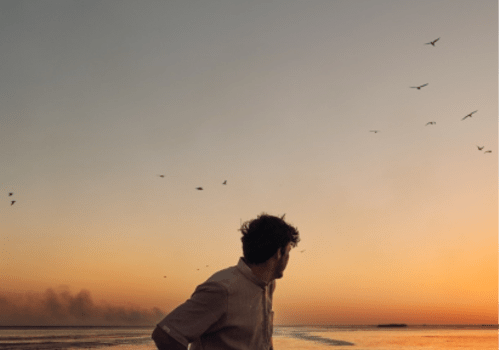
470 114
10 194
161 175
431 123
12 203
199 188
489 151
375 131
480 148
432 42
225 182
419 87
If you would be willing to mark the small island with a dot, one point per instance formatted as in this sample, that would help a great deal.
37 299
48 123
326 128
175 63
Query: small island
393 325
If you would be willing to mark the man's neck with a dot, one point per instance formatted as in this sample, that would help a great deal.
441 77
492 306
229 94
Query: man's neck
262 271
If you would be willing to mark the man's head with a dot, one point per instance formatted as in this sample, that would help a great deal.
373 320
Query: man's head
268 239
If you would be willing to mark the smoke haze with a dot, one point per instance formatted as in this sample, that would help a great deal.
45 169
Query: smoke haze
61 308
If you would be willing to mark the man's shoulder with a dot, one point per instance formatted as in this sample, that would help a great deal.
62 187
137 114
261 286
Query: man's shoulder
228 278
224 276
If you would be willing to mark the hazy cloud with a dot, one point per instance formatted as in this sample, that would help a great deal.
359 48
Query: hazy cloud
63 308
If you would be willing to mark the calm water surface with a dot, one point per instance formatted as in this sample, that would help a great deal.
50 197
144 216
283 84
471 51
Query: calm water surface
290 338
408 338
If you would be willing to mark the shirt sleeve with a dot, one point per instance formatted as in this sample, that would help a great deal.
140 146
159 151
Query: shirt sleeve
191 319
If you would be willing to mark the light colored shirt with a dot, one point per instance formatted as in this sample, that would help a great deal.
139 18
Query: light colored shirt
230 310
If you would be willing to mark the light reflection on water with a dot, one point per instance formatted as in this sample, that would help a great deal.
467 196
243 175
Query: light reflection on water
289 338
410 338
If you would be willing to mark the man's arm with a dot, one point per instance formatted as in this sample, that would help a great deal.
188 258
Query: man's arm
164 341
190 320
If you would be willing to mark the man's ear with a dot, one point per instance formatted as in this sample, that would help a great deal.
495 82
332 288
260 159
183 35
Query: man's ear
278 254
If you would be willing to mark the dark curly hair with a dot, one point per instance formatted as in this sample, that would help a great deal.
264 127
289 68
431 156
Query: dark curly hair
263 236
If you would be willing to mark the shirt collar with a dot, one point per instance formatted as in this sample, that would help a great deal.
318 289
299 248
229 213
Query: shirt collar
247 272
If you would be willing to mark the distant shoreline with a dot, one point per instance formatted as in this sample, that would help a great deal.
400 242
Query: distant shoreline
376 325
72 326
278 325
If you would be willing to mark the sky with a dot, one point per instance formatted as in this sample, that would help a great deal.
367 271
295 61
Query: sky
278 98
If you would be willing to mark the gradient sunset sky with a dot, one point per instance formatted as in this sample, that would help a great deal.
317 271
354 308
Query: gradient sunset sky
278 97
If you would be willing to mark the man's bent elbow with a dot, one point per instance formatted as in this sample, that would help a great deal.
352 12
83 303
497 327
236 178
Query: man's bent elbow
164 341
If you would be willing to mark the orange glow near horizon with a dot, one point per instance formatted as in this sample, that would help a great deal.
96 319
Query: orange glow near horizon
458 286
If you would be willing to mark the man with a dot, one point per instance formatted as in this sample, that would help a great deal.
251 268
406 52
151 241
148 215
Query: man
233 308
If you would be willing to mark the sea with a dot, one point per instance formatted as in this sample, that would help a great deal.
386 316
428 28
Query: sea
411 337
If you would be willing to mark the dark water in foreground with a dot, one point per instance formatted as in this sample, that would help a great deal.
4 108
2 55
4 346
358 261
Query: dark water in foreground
285 337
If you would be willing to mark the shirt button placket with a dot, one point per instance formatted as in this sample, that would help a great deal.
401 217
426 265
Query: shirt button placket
266 318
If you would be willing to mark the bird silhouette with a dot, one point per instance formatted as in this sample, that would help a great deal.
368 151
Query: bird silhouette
419 87
470 114
225 182
432 42
480 148
10 194
199 188
12 203
375 131
431 123
161 175
489 151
